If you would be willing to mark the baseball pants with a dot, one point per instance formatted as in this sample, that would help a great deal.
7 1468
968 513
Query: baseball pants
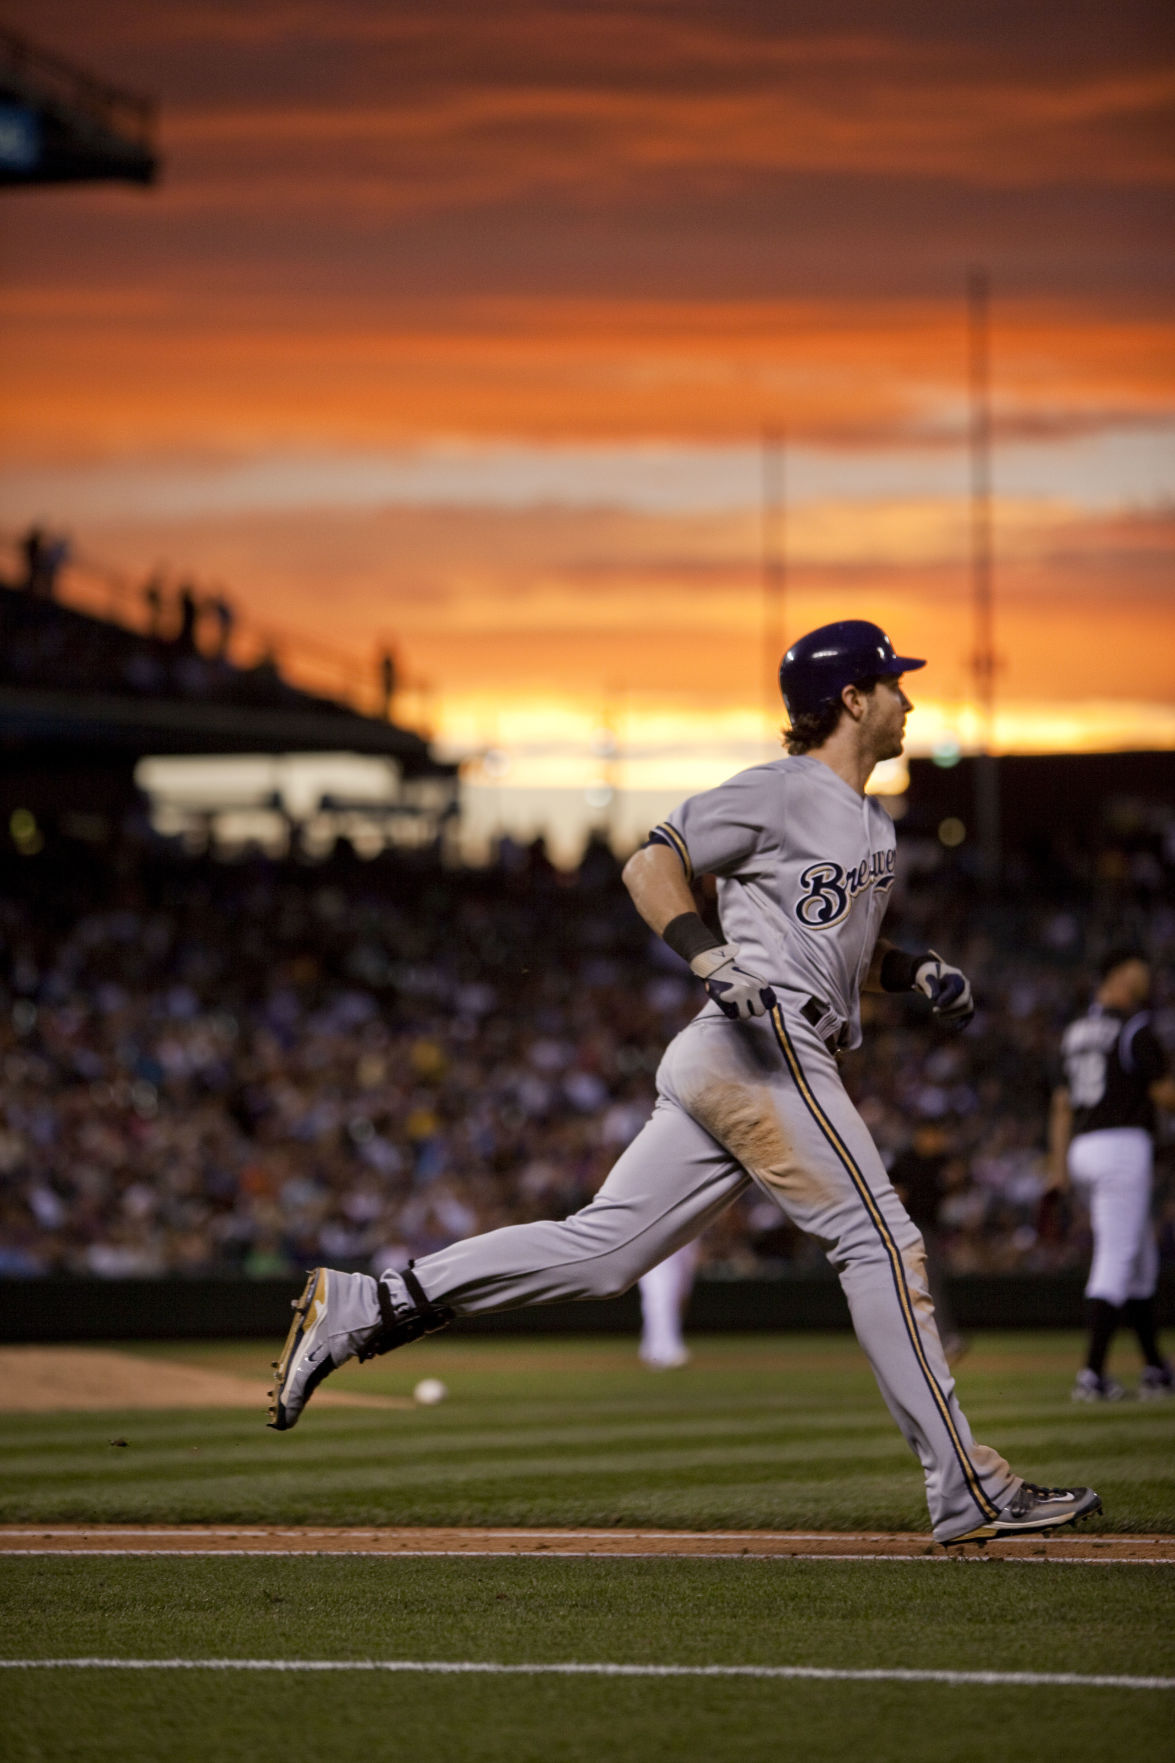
757 1101
1114 1169
665 1291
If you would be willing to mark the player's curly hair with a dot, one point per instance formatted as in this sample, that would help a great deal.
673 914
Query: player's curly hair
813 727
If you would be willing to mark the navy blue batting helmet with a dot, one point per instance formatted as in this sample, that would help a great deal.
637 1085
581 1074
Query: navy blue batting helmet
818 667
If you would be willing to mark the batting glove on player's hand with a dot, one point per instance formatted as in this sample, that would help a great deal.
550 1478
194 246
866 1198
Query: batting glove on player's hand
736 992
949 991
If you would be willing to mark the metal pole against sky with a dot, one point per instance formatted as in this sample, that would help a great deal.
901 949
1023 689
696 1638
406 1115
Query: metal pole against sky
983 659
774 570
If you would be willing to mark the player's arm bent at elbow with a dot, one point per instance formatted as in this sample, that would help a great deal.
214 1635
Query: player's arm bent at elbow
656 881
1060 1132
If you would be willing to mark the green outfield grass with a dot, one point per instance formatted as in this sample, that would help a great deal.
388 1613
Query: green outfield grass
759 1432
918 1615
779 1432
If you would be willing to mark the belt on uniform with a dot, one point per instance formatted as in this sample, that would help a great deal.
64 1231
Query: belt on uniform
827 1024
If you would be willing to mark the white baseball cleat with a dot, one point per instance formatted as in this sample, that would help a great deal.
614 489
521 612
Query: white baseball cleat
1156 1384
665 1359
1032 1509
1089 1387
343 1316
306 1357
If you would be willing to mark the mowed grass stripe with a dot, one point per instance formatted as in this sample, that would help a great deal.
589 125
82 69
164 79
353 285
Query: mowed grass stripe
889 1502
452 1467
188 1452
334 1474
574 1414
409 1435
756 1488
427 1480
414 1435
557 1452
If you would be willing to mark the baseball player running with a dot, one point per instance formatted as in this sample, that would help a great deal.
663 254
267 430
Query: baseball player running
1100 1136
749 1091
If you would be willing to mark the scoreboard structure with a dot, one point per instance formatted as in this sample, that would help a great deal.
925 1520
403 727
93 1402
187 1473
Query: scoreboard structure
58 125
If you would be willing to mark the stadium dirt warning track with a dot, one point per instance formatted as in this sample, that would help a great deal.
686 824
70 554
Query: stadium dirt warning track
699 1545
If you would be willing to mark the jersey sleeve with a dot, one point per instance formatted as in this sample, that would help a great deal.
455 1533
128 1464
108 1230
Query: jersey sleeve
1142 1053
719 831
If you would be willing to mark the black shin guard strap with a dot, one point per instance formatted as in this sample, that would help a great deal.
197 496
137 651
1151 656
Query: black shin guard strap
433 1316
400 1330
387 1309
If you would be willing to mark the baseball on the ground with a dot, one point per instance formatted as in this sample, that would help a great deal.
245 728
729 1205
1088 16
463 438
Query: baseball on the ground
429 1391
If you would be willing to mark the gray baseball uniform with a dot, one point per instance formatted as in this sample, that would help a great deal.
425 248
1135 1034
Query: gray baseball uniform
805 866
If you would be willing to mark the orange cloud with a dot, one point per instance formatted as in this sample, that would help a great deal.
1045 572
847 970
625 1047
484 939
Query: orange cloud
836 372
589 601
457 104
863 111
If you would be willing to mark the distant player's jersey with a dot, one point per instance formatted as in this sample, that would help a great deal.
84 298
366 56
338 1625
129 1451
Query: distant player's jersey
805 867
1110 1061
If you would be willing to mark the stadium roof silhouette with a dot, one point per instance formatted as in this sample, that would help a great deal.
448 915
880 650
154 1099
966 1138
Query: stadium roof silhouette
59 125
69 680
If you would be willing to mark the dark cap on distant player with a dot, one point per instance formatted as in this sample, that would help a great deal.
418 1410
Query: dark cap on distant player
818 667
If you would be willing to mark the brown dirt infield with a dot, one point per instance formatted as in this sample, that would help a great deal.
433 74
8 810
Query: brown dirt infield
195 1539
42 1380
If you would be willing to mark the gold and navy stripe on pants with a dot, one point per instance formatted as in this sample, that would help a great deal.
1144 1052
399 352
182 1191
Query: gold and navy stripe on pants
894 1256
669 835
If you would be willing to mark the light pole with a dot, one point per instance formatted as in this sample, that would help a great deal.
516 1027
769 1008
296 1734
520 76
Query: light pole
983 659
774 572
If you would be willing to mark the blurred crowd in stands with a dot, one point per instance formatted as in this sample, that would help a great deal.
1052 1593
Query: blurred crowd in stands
252 1067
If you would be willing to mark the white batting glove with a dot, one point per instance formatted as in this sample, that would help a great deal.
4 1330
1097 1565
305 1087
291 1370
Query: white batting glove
736 992
948 989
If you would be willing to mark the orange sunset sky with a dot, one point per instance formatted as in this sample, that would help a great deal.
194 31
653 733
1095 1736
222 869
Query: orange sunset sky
457 327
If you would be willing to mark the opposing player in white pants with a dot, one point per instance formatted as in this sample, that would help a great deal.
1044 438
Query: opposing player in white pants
749 1091
664 1293
1100 1138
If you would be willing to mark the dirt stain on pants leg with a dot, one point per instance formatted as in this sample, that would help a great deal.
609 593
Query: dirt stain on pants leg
742 1117
918 1285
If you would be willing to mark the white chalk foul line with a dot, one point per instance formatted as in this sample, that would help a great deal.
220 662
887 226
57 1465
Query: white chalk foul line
478 1667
